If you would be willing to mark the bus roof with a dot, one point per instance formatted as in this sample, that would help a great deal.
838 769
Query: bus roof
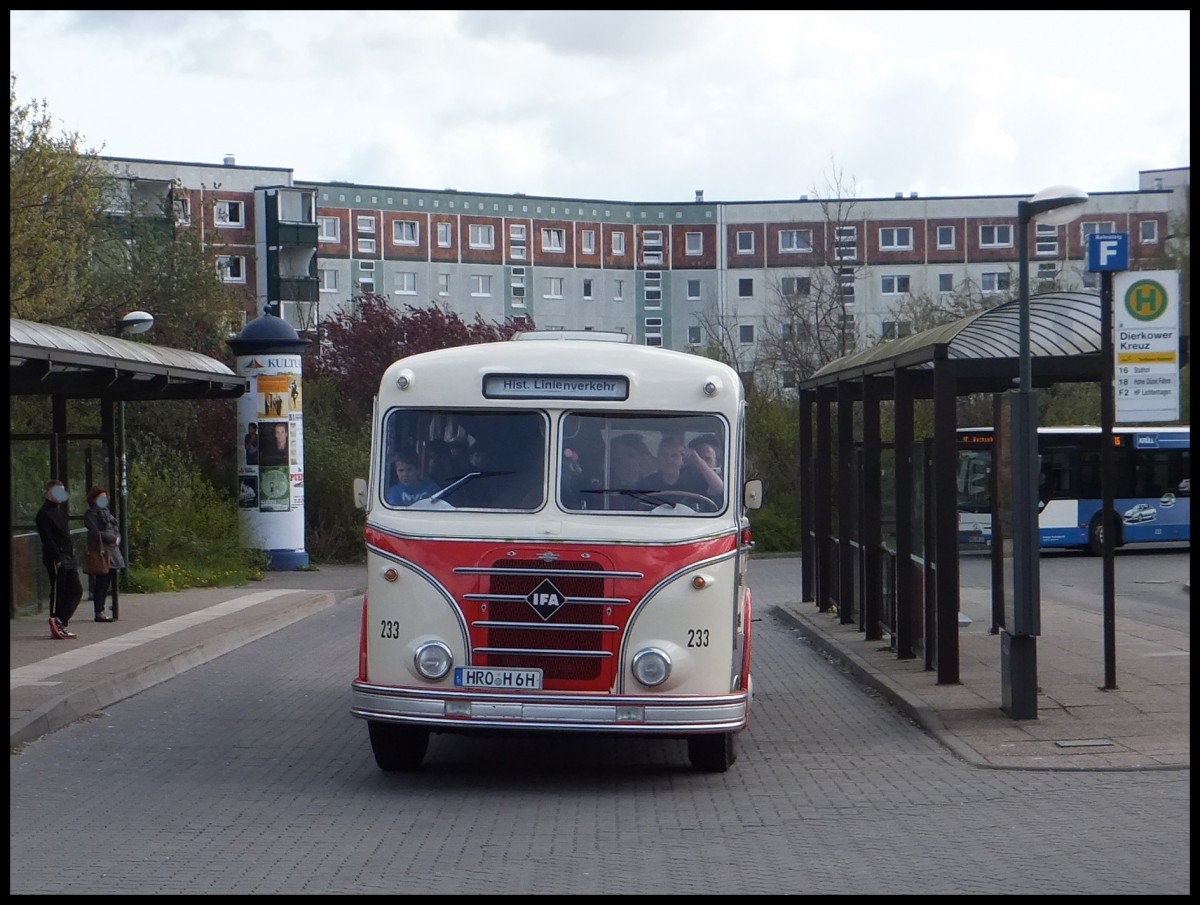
580 373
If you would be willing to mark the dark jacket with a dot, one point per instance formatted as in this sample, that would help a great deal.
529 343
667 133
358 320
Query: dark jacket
103 533
51 521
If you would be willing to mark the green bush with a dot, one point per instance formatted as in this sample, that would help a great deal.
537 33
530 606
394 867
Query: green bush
335 453
182 532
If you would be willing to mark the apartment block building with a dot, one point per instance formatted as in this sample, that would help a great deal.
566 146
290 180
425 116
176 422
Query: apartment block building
666 273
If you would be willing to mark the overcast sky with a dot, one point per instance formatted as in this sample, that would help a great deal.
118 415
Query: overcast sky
627 105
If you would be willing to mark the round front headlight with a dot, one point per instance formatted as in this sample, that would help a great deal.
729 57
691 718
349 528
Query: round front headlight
433 660
651 666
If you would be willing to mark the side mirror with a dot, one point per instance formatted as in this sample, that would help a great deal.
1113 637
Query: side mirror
360 493
753 494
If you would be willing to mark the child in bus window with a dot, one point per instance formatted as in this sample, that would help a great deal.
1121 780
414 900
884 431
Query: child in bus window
410 483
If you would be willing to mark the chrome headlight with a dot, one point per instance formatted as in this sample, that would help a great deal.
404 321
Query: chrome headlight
433 660
651 666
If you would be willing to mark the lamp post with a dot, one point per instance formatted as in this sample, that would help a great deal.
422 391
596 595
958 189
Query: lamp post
1056 206
133 322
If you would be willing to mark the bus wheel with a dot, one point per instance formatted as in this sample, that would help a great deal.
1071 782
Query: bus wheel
712 753
397 748
1095 544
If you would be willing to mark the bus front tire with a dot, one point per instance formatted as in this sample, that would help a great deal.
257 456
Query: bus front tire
712 753
397 748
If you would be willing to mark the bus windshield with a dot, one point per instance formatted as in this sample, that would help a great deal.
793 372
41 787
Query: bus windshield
604 462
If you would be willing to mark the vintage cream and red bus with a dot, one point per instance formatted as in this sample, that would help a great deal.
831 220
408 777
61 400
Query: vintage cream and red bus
557 539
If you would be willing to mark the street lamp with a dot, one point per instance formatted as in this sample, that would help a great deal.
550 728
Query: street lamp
1056 206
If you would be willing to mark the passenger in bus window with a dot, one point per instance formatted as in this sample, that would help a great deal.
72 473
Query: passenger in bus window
410 483
707 445
671 475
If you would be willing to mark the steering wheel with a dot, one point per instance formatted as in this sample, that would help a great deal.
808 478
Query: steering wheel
686 496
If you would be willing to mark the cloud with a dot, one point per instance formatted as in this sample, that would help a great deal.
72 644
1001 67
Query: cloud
627 105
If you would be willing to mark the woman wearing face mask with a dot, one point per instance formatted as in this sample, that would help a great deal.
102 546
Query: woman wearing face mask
102 534
58 556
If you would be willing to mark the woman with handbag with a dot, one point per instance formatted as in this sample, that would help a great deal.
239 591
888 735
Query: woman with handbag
103 557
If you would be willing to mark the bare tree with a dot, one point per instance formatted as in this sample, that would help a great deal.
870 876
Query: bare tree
808 320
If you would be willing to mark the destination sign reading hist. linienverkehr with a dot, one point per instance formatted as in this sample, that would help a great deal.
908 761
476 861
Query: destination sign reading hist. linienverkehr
555 386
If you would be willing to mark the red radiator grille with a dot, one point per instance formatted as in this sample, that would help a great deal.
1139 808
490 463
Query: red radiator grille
531 640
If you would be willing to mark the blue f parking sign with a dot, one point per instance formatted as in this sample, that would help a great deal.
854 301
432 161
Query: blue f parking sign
1108 252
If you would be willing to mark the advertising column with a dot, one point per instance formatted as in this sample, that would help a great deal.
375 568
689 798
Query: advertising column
271 452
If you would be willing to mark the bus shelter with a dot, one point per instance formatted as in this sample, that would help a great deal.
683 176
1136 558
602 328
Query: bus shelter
879 517
65 365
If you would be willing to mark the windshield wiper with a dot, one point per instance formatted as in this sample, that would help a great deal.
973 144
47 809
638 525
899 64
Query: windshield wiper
643 496
465 480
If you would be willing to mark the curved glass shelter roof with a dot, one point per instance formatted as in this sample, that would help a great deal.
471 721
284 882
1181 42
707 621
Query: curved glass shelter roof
1064 345
47 360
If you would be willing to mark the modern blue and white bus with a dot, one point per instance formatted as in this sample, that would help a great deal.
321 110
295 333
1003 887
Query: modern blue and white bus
1151 490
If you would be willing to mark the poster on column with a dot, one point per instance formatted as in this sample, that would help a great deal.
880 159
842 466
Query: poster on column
271 453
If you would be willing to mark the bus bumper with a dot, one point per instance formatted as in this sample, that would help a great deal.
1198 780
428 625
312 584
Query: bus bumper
449 711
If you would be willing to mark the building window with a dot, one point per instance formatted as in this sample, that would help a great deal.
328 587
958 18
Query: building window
945 237
745 242
232 268
1096 226
654 331
366 266
653 288
693 290
792 241
995 282
481 284
693 243
554 240
895 238
796 286
517 283
618 243
366 246
329 229
845 234
587 287
652 238
996 236
482 235
1091 280
790 380
587 240
554 287
896 284
745 333
1047 275
328 279
746 288
443 284
366 285
846 282
405 232
693 336
896 329
183 210
945 282
406 283
1148 232
1046 240
618 290
366 224
229 213
516 232
445 235
845 252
